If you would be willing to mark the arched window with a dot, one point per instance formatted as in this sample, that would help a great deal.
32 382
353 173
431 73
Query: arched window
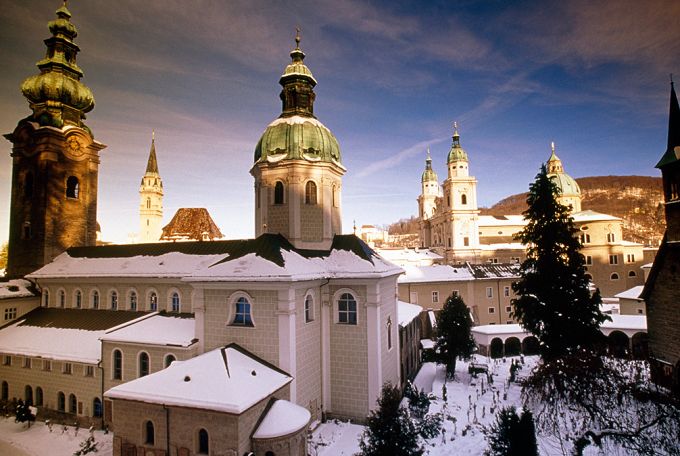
143 364
614 276
79 299
149 434
463 199
309 308
242 315
278 192
46 298
72 187
310 193
117 365
389 333
38 397
168 360
148 204
203 442
5 391
114 300
632 274
153 301
347 309
62 298
96 407
174 301
334 194
28 395
589 277
28 185
95 299
72 404
61 402
26 232
133 300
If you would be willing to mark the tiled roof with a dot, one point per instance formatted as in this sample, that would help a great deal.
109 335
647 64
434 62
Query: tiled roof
87 319
191 223
494 270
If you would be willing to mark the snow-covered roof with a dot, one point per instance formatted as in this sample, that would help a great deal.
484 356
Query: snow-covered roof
407 312
501 220
503 246
159 329
269 257
410 255
631 293
427 344
18 288
634 322
513 328
63 334
227 379
435 273
433 318
282 418
592 216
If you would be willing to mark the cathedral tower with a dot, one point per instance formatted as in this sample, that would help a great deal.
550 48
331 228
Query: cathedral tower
427 201
151 199
670 171
570 192
460 202
297 170
55 159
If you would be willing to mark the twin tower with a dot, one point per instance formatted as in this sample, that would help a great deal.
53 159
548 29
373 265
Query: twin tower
55 164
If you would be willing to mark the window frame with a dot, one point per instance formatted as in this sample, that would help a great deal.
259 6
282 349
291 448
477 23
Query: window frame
152 304
72 187
311 193
140 371
348 312
279 198
435 297
308 307
133 294
171 301
116 371
95 299
113 299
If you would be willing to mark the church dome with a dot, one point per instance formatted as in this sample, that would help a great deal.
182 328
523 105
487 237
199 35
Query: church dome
297 138
456 153
429 175
566 184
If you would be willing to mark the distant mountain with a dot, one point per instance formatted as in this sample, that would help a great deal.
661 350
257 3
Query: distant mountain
638 200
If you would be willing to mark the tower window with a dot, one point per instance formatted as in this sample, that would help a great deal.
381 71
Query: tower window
148 204
310 193
72 187
463 199
28 185
278 192
389 333
26 232
335 196
466 241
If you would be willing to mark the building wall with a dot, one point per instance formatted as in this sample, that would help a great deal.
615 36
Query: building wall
389 312
12 309
85 388
409 346
308 346
632 307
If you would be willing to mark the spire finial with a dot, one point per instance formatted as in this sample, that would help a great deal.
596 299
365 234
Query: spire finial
552 146
297 37
671 79
455 127
153 135
428 154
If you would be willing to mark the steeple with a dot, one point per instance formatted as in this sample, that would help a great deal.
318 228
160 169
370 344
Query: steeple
554 163
670 171
152 164
672 153
456 153
298 85
56 96
429 175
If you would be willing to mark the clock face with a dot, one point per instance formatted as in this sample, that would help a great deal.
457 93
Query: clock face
74 146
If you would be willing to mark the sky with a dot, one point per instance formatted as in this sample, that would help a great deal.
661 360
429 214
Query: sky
393 76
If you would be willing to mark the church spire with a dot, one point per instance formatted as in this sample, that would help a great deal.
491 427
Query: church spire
56 96
152 164
672 153
298 85
429 174
456 153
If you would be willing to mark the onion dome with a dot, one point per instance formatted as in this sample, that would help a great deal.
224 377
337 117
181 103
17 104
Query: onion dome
297 134
566 184
56 96
456 153
429 175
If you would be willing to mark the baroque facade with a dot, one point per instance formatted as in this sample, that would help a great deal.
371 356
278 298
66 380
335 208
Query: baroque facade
451 225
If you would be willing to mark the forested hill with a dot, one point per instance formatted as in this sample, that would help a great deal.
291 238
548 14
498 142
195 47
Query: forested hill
636 199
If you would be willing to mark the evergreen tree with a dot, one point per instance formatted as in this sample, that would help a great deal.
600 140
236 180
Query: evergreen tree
554 302
512 435
389 429
454 338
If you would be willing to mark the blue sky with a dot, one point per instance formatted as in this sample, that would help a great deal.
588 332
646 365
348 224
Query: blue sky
392 77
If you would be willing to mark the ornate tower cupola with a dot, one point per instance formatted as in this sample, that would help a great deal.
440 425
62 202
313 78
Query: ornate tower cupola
570 192
458 159
55 159
151 199
298 170
670 171
427 200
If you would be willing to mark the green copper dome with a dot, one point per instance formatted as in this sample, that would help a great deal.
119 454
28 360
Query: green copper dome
429 175
456 153
297 138
56 95
566 184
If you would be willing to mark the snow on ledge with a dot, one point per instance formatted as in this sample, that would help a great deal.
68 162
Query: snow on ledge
407 312
283 418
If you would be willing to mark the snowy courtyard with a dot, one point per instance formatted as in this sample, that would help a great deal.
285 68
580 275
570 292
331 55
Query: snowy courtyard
20 440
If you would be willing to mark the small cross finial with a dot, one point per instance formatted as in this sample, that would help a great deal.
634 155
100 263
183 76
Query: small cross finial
297 37
455 127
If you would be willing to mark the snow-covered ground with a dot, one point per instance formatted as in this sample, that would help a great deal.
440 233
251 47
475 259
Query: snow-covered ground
39 441
468 407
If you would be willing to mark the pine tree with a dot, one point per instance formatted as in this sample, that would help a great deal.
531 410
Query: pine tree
512 435
390 430
526 435
554 300
453 330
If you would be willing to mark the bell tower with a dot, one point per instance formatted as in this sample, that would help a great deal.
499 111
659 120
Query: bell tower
670 171
151 199
55 159
298 170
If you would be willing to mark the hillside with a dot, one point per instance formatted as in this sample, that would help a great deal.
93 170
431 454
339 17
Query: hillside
636 199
